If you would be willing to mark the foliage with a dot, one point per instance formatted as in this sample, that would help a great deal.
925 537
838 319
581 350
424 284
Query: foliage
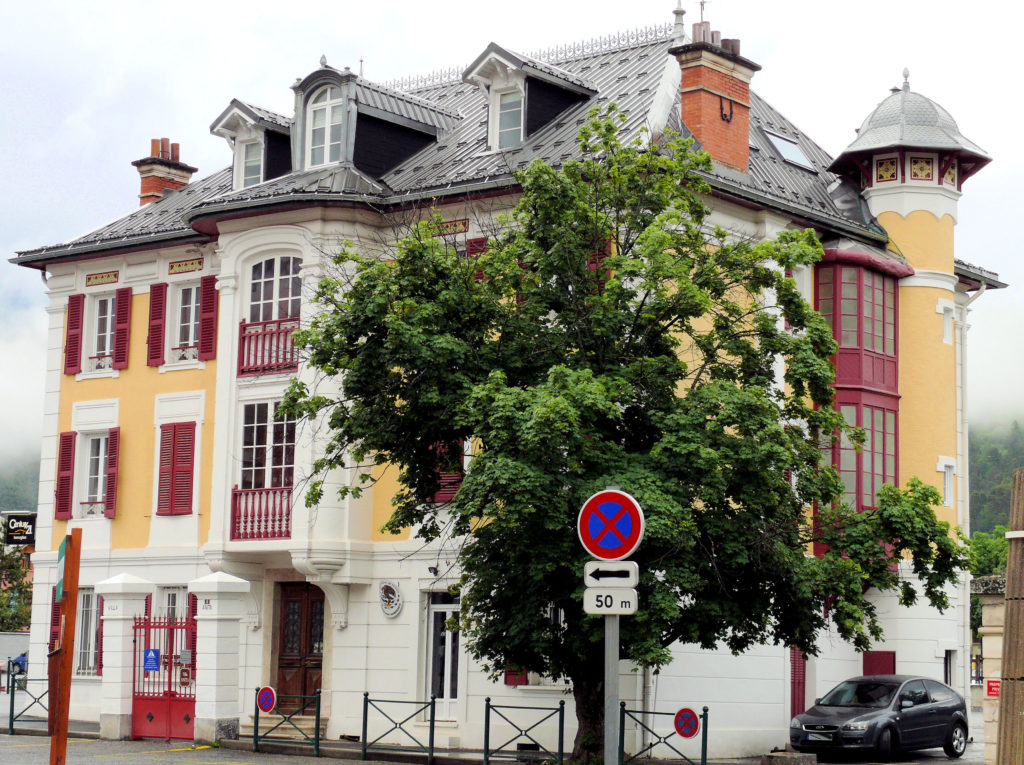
15 590
988 556
19 484
611 336
994 455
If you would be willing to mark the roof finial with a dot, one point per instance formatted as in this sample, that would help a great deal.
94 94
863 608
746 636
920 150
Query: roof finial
323 61
906 80
678 30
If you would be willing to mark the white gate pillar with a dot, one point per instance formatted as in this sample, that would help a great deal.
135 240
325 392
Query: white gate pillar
124 598
219 612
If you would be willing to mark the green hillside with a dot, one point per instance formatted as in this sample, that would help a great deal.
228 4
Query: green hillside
995 451
19 483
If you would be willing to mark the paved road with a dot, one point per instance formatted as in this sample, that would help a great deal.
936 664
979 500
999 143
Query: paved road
34 750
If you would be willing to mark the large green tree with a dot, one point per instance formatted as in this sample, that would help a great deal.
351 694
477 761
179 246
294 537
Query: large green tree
610 336
15 590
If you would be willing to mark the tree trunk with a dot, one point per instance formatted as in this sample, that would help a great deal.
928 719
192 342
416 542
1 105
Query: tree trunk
588 691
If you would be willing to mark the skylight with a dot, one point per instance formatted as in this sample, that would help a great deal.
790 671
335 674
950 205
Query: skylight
790 151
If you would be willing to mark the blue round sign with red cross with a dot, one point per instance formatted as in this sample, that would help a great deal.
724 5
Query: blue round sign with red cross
610 525
266 699
687 723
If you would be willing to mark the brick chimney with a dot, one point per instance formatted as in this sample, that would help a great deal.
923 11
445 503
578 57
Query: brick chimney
162 170
716 94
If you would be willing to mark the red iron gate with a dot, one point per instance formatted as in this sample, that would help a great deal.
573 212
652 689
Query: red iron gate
164 678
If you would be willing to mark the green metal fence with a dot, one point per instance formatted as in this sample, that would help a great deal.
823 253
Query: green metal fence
378 705
656 737
541 753
20 683
286 720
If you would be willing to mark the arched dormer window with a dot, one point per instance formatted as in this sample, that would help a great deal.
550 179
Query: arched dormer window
326 110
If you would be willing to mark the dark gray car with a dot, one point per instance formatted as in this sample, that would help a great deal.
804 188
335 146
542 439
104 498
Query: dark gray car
884 713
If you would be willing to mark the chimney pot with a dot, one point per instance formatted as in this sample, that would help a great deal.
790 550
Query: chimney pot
716 38
162 171
175 147
165 148
154 147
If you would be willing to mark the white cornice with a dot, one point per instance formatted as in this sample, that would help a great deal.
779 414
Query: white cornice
935 279
905 198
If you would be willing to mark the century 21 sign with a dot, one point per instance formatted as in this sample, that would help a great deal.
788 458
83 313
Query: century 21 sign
20 529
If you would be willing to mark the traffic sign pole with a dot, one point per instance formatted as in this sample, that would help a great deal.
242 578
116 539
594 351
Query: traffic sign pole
611 688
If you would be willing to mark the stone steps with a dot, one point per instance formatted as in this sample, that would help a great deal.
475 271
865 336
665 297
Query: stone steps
305 723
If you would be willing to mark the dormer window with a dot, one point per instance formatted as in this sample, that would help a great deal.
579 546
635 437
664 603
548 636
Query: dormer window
325 117
510 119
252 164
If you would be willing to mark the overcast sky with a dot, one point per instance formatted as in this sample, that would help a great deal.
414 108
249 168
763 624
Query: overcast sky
85 86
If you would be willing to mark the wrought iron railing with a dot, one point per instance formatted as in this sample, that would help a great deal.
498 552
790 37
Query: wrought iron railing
266 347
287 724
397 724
261 513
20 682
657 738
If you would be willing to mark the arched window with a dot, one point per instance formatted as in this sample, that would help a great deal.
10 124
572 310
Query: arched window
276 289
326 110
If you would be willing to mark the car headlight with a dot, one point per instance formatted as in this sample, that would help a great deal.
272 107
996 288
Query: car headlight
856 726
795 723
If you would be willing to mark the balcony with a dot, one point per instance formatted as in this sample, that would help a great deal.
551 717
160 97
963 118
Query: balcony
266 347
258 514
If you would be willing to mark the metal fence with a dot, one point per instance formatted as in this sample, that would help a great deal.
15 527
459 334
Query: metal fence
419 707
20 683
304 703
537 751
656 737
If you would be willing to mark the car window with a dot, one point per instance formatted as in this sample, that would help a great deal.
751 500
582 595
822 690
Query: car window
915 692
938 691
865 693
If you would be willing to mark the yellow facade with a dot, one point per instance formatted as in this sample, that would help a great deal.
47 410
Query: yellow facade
927 352
136 389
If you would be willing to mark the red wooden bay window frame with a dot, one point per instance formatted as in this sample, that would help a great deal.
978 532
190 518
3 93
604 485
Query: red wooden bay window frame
449 481
177 464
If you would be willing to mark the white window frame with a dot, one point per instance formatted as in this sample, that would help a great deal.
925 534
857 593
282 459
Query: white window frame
328 105
87 633
263 477
498 97
277 283
100 342
446 706
181 351
91 503
248 162
947 467
172 602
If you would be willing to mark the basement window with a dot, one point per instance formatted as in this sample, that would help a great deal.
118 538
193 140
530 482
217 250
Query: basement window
790 151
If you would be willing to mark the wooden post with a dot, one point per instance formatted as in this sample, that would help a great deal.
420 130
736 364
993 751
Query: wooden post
1011 695
69 611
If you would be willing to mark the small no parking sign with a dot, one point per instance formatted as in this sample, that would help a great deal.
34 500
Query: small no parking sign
687 723
266 699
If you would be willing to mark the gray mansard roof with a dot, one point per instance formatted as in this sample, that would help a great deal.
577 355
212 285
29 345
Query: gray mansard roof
633 70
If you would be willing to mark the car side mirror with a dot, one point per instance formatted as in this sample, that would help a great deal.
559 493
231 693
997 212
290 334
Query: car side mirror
906 703
817 700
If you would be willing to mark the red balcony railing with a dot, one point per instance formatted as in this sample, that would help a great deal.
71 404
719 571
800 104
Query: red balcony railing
266 347
261 513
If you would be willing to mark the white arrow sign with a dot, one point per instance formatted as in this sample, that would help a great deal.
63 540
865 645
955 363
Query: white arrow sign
616 573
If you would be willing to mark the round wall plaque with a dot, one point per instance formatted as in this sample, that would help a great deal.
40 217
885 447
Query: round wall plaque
390 598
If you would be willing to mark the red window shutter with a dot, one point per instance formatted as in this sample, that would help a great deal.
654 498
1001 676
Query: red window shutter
449 481
797 682
514 676
208 299
113 447
54 619
184 461
473 249
99 635
157 321
163 497
73 335
65 475
596 265
177 461
879 662
122 326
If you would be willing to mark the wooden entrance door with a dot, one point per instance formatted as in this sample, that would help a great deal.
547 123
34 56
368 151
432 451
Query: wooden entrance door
301 643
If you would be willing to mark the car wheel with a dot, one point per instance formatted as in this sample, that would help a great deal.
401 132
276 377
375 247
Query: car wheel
956 741
885 745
